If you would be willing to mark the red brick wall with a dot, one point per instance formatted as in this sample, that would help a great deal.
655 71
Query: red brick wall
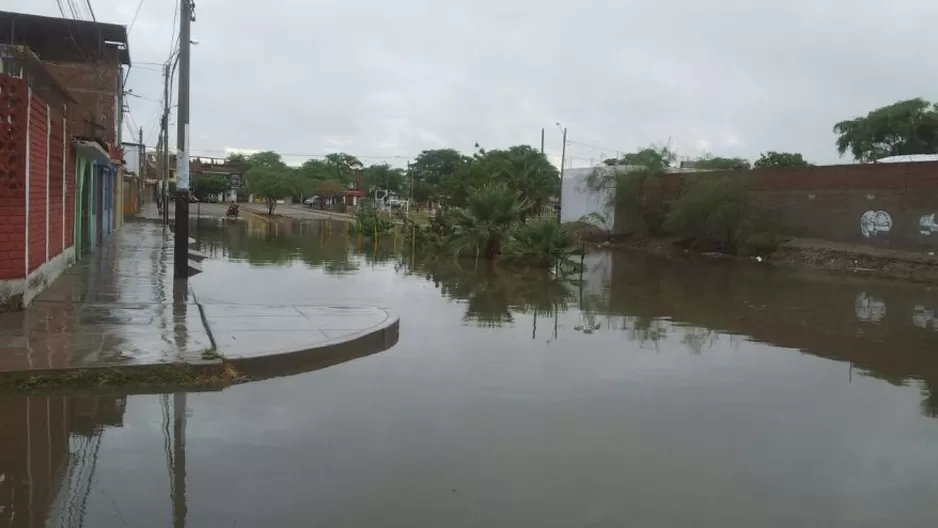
38 170
56 180
828 202
13 112
70 196
95 89
16 109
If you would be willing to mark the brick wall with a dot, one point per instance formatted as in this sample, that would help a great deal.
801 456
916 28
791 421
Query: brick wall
36 189
13 112
878 204
57 177
886 204
95 89
28 124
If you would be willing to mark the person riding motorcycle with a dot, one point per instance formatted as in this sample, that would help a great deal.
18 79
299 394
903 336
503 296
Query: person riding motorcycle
232 209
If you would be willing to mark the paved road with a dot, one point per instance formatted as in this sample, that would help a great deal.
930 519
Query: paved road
299 212
203 210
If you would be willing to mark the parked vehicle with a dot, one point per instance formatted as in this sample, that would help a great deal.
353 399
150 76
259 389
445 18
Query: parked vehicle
193 198
396 203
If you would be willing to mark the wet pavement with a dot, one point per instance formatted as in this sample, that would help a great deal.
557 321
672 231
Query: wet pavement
120 306
646 392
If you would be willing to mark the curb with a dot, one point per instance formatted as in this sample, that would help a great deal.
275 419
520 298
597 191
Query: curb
201 375
134 379
287 363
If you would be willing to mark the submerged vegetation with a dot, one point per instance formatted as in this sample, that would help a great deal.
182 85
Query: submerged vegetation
705 213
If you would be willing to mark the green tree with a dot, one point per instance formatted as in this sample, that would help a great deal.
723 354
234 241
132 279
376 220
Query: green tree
341 166
267 159
272 184
205 185
780 160
239 161
313 170
523 169
902 128
383 176
429 170
651 158
716 163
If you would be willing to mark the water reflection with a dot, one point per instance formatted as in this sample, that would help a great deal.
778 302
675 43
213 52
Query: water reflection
516 398
492 294
642 297
49 449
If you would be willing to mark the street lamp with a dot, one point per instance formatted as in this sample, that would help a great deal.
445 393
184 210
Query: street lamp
563 160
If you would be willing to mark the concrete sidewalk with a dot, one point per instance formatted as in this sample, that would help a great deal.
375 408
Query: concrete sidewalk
120 306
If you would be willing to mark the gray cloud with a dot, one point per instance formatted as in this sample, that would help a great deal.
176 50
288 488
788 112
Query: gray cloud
379 78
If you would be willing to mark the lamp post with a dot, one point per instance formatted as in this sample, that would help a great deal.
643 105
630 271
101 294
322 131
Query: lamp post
563 162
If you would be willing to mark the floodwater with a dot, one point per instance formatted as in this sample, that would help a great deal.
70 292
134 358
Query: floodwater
648 392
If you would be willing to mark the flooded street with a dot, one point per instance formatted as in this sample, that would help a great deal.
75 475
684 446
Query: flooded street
646 392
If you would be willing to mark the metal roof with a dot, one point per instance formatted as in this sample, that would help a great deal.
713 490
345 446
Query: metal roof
65 40
909 158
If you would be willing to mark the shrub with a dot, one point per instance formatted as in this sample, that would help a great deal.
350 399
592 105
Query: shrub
479 228
370 222
714 214
632 189
542 241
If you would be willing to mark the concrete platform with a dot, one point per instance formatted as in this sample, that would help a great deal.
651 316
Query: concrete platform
120 307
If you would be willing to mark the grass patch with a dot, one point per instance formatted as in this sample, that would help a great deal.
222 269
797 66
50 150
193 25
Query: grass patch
210 353
170 375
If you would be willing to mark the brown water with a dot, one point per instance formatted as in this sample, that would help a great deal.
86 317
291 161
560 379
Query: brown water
649 392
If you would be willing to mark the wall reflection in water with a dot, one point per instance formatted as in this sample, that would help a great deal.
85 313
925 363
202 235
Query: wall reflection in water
48 453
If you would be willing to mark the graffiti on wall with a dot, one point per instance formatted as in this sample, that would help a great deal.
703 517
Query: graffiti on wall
927 225
873 223
869 309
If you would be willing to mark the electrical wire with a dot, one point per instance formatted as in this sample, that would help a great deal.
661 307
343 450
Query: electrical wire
91 10
136 14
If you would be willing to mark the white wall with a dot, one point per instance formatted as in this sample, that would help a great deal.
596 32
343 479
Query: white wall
578 201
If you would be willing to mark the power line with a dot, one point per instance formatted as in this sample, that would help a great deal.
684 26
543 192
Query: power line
136 14
91 10
402 157
595 147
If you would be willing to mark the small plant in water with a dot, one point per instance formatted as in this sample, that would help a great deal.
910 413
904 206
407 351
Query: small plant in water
210 353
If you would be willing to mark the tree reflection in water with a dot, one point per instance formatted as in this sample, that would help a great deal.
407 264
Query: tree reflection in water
493 293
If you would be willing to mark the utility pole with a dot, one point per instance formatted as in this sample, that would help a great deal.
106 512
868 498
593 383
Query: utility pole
138 199
164 139
181 250
563 162
542 140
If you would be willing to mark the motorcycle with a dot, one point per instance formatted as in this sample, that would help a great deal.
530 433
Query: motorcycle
232 211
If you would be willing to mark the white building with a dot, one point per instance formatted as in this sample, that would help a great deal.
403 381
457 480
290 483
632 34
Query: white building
577 200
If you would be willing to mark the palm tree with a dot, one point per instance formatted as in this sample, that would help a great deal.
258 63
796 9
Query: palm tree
491 212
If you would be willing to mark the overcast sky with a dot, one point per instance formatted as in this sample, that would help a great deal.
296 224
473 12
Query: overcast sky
380 78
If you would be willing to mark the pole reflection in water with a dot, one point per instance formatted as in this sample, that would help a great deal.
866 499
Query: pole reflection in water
178 462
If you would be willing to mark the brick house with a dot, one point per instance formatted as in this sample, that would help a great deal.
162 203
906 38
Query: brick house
60 174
